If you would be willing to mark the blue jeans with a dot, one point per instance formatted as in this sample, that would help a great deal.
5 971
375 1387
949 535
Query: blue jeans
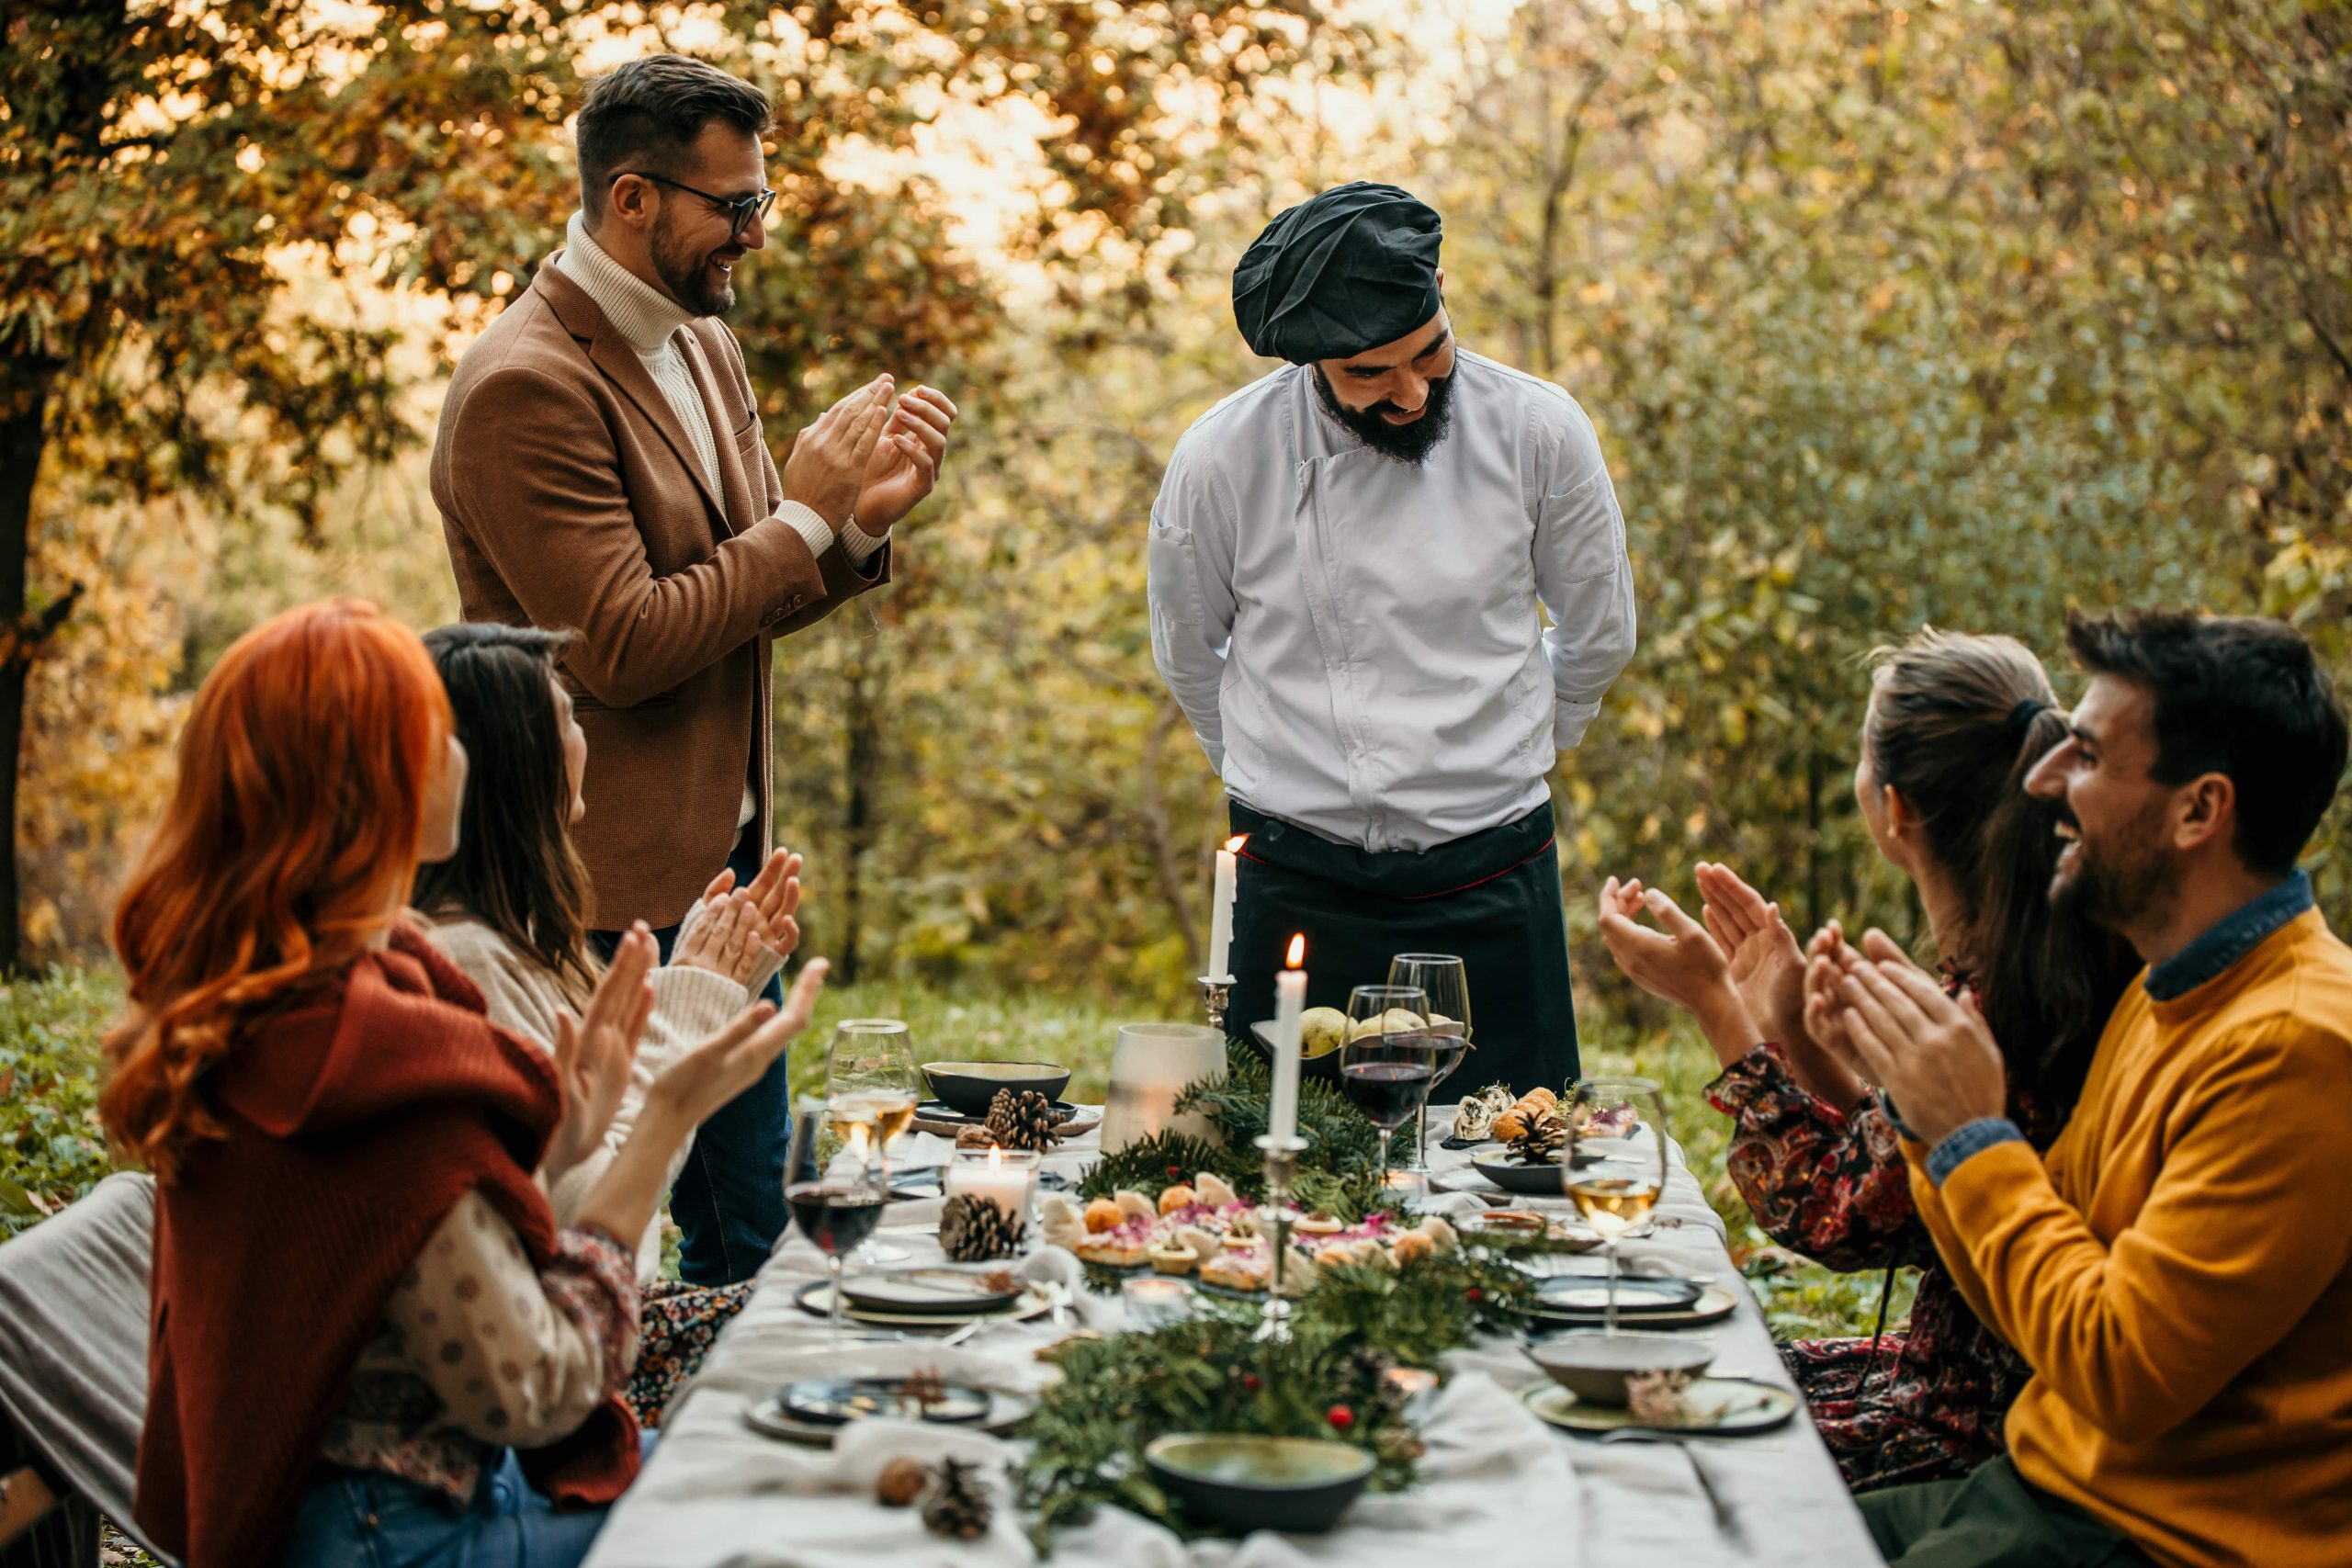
358 1518
728 1201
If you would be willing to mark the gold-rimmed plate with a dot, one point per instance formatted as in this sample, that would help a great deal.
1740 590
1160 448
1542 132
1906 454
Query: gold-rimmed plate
1721 1407
816 1299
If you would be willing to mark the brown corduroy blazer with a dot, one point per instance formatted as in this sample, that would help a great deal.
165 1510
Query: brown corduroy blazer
571 497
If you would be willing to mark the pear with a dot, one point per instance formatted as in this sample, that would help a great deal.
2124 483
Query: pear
1321 1031
1394 1020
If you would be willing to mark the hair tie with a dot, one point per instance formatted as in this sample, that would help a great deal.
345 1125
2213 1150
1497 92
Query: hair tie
2021 716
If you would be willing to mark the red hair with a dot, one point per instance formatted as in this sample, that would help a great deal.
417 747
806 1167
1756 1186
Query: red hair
287 846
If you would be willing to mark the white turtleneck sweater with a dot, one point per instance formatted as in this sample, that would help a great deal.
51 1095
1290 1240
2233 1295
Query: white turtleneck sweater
650 322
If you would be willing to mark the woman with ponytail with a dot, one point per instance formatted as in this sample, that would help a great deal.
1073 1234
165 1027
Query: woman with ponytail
1954 724
371 1339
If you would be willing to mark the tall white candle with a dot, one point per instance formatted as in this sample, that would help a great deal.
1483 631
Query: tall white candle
1290 1004
1221 897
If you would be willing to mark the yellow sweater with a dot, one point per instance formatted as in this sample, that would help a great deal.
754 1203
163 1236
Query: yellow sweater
2178 1267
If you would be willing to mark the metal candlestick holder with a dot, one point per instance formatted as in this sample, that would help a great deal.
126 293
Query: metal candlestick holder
1281 1164
1215 995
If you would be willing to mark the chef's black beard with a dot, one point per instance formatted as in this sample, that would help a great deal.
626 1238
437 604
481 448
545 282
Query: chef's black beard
1404 443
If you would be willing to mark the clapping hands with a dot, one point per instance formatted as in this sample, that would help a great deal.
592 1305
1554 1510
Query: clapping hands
1886 1020
742 933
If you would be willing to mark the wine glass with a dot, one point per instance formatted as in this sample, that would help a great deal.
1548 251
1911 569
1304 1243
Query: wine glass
838 1214
1615 1164
1441 976
872 1086
1384 1066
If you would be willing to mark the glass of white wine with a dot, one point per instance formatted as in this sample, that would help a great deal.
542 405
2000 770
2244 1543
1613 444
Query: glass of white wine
872 1086
1615 1168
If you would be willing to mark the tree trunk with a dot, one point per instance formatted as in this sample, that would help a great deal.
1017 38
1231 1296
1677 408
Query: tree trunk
20 447
865 743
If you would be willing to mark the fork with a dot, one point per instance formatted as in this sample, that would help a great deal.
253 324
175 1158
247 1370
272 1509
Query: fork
1725 1520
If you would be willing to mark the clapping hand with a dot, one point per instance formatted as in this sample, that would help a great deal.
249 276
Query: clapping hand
1890 1021
1767 965
1678 962
773 900
905 463
594 1051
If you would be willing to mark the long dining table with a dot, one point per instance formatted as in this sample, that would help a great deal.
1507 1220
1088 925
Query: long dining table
1495 1489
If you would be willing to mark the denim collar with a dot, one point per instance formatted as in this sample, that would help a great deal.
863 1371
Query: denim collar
2229 939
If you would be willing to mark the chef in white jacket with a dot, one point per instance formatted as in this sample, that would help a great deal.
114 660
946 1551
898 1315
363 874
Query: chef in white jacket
1351 564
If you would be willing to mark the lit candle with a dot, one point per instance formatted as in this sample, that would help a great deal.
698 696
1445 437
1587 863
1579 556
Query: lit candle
1003 1179
1289 1003
1221 909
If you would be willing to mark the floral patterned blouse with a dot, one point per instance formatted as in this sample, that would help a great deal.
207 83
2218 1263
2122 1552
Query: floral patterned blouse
1926 1404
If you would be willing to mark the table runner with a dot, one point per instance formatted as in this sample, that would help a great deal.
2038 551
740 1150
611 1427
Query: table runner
1498 1488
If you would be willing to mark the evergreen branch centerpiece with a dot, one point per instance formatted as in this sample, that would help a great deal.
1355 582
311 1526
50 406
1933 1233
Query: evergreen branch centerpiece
1331 1380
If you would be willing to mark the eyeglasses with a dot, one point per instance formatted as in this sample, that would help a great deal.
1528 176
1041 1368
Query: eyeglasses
742 211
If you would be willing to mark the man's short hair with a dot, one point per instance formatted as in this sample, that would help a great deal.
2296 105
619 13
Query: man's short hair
2235 695
644 117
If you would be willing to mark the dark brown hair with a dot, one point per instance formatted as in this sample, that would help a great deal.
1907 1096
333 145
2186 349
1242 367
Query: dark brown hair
1957 724
2234 696
515 869
644 116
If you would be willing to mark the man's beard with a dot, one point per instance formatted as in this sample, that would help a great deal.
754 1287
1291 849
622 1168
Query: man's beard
686 273
2117 881
1404 443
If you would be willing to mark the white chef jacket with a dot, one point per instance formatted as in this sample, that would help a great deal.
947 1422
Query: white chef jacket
1355 639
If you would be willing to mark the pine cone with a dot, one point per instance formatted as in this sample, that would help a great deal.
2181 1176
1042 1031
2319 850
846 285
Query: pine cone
1021 1118
1542 1142
957 1506
973 1230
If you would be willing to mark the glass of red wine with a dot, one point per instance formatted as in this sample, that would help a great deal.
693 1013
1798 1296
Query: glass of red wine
1389 1060
1441 976
837 1214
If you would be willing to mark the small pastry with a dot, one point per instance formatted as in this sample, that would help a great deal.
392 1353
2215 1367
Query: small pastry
1441 1236
1179 1196
1214 1189
1131 1201
1410 1247
1200 1243
1113 1249
1235 1271
1168 1257
1544 1097
1510 1126
1059 1222
1240 1223
1298 1272
1102 1215
1319 1224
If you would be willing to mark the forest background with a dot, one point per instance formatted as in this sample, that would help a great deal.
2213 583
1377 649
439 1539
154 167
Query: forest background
1947 311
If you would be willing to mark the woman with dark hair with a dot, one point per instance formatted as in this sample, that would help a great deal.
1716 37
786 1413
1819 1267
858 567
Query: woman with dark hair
1954 724
510 908
371 1338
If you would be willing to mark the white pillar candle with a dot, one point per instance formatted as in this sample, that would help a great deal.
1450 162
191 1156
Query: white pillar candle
1290 1005
1221 897
1003 1176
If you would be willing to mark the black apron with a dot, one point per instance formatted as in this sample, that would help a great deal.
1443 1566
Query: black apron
1492 899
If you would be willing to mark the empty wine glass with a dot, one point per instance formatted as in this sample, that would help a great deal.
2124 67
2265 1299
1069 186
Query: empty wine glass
1384 1066
1441 976
1615 1164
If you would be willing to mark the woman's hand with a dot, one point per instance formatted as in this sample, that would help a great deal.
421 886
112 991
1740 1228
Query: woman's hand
775 894
1679 963
594 1051
1936 1057
1767 965
727 939
709 1075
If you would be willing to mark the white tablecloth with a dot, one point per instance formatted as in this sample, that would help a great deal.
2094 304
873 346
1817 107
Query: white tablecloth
1497 1488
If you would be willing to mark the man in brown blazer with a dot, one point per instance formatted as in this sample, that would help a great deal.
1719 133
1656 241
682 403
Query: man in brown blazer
600 467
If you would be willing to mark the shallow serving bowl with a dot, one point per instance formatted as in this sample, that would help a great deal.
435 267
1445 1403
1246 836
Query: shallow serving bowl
1594 1367
1236 1483
967 1086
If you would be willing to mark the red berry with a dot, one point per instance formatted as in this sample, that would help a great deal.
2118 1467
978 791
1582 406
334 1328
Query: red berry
1249 1382
1341 1417
1475 1294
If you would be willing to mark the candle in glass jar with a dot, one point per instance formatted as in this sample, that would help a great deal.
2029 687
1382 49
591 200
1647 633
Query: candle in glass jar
1221 897
1003 1176
1290 1006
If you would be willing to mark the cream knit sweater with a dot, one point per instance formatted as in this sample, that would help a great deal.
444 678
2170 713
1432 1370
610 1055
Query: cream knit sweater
690 1004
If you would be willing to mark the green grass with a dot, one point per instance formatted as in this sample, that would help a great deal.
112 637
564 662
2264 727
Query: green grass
51 1150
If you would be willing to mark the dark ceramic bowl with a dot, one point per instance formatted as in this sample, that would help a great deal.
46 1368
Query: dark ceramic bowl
1241 1484
967 1086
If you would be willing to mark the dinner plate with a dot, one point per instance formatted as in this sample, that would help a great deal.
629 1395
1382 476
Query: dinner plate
1715 1305
1581 1291
768 1417
836 1401
1508 1224
927 1292
816 1299
1721 1407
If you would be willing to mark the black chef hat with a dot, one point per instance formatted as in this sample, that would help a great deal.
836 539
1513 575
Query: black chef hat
1340 273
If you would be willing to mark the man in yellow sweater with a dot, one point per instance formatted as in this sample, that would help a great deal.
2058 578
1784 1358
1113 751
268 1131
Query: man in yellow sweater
2178 1267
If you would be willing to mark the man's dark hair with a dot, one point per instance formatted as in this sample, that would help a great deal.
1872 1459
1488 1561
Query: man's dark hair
645 116
2234 696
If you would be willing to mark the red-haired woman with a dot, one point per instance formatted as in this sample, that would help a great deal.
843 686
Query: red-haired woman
370 1341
